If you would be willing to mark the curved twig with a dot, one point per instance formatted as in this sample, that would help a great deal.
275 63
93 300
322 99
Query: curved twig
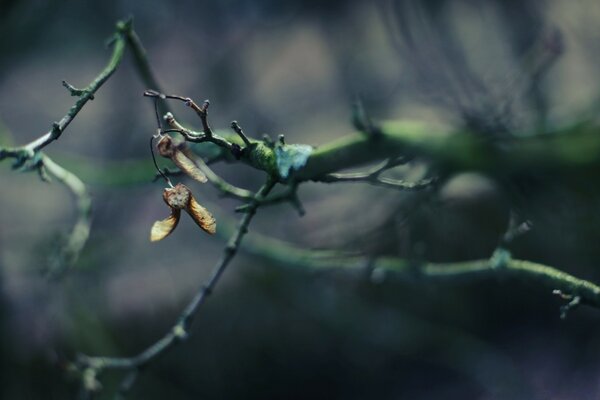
92 366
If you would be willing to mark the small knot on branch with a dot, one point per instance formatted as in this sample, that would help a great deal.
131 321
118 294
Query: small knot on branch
77 92
180 332
124 27
500 258
56 130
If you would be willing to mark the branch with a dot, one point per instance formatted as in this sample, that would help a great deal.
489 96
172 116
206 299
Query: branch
499 265
143 68
197 137
90 367
573 149
27 151
70 251
374 177
288 195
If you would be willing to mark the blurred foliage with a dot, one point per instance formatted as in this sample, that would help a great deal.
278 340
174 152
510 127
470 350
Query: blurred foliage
497 67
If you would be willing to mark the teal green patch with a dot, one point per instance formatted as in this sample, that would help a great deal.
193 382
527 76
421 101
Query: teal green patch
291 158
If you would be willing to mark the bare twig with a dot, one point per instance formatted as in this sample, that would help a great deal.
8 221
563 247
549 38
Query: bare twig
562 283
143 68
30 157
196 137
516 227
86 94
573 302
202 111
238 129
290 194
225 187
374 177
70 251
180 329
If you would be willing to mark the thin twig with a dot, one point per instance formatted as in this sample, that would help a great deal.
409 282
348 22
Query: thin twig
221 184
87 93
238 129
196 137
181 328
143 68
202 111
374 177
70 251
226 188
566 285
290 194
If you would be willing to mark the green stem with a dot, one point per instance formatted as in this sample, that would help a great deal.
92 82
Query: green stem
550 277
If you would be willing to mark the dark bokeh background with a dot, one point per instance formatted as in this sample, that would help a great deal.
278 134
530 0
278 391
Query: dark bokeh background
294 67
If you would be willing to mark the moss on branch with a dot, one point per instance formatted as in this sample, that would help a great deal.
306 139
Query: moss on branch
571 150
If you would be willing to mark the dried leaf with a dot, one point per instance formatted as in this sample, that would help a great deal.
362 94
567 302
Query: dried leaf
162 229
201 216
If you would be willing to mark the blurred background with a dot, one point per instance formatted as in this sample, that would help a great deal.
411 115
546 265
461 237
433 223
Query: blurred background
496 67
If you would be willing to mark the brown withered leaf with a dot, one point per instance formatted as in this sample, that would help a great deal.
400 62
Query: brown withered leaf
180 198
168 149
161 229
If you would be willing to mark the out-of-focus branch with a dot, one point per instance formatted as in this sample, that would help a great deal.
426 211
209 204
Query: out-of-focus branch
67 252
143 68
501 264
90 367
76 240
374 177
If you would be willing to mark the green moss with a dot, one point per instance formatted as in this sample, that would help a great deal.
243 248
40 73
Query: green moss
262 157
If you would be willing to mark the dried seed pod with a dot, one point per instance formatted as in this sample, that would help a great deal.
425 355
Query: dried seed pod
168 149
201 216
180 198
161 229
